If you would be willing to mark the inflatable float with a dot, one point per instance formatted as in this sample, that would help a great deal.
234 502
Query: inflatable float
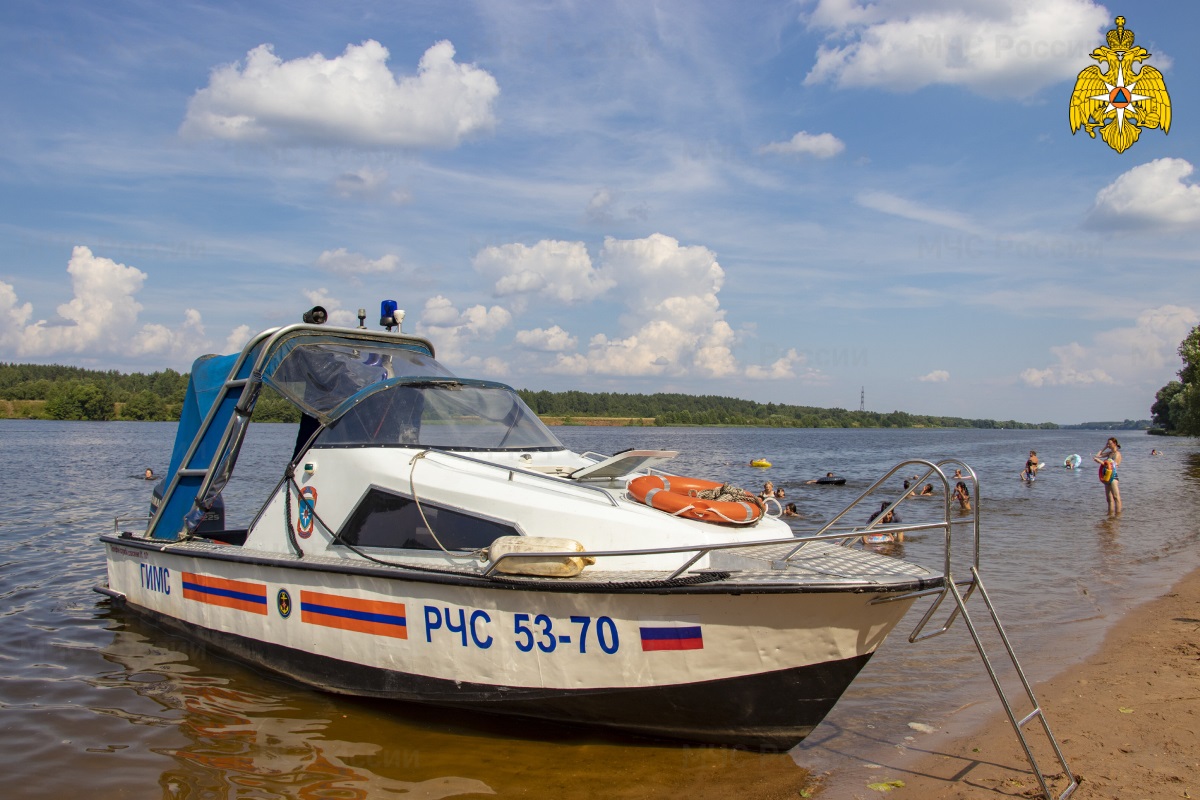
831 481
690 498
1072 461
760 462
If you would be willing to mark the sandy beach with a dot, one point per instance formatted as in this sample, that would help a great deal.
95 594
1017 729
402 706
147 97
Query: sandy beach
1127 719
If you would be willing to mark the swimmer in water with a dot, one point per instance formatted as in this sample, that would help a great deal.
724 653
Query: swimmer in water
963 495
890 518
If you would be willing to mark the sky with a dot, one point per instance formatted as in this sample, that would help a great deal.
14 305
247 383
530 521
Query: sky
815 203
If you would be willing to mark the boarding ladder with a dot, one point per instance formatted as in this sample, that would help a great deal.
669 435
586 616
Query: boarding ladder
960 591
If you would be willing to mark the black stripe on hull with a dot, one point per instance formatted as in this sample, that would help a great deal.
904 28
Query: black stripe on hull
769 711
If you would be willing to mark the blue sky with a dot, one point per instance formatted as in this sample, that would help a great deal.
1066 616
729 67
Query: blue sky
784 201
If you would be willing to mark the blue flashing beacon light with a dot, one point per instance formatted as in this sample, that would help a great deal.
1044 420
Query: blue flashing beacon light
390 315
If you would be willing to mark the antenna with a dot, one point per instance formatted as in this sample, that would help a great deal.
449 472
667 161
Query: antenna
862 399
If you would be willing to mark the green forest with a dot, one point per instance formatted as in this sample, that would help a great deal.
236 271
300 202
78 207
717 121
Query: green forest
1176 409
31 391
684 409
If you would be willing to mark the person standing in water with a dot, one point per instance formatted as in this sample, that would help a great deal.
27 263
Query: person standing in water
1031 467
1109 459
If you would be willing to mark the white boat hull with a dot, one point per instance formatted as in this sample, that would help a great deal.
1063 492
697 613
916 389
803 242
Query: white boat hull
746 665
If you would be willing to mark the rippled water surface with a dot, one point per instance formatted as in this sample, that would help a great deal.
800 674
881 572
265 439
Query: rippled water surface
94 699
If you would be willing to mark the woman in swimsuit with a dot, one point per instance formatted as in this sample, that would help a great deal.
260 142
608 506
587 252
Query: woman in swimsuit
963 495
1112 492
1031 467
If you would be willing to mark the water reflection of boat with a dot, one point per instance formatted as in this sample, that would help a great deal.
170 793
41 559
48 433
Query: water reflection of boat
240 743
430 540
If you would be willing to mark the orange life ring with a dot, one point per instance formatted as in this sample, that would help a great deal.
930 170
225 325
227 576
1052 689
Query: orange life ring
677 496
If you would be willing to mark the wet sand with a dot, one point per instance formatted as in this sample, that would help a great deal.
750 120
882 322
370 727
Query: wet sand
1127 720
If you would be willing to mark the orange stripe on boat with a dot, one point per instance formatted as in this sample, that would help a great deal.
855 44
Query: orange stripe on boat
242 595
378 617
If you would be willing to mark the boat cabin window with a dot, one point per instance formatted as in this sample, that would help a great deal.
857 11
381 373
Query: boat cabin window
318 377
446 414
384 519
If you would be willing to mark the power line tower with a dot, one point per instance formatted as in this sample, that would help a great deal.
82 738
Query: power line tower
862 399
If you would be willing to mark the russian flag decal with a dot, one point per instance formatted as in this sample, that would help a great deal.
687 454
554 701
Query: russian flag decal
682 633
378 617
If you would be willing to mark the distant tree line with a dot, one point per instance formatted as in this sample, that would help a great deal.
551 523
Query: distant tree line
77 393
1176 408
1124 425
685 409
74 393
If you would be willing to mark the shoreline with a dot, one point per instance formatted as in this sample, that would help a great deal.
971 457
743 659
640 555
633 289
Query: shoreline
1127 719
33 411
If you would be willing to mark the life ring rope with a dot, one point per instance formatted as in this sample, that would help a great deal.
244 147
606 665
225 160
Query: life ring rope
693 498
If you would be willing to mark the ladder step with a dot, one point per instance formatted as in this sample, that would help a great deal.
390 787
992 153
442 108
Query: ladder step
1037 712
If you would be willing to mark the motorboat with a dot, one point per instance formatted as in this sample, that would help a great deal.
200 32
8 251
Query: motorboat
431 540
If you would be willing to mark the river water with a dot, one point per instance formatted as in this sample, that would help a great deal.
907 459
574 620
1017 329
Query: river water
93 699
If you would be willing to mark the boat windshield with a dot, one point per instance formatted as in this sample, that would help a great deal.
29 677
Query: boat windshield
446 413
318 377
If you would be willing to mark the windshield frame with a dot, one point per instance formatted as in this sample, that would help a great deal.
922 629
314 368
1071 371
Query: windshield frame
318 374
435 424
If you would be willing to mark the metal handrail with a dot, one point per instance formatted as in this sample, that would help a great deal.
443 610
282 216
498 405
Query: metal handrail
826 532
700 550
558 481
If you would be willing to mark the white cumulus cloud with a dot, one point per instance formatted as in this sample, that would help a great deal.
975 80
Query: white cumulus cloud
937 376
821 145
561 272
1073 368
453 332
351 100
237 339
998 48
100 319
674 321
551 340
782 368
14 315
1138 353
1151 197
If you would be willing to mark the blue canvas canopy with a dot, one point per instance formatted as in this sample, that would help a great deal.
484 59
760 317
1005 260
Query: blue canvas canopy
204 387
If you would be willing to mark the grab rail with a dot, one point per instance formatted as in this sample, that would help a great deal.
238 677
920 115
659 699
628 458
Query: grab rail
826 532
557 481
